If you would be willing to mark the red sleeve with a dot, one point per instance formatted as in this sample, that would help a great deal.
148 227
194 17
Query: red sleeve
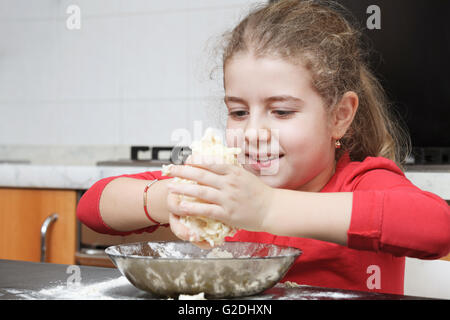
88 211
392 215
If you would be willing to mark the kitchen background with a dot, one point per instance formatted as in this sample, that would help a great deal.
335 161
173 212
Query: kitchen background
133 73
130 75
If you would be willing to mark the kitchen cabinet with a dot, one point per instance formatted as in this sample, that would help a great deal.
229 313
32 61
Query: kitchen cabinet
22 215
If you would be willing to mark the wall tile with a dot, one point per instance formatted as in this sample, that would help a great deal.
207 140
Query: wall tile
88 61
205 30
134 73
151 122
153 56
146 6
26 10
58 123
28 54
201 4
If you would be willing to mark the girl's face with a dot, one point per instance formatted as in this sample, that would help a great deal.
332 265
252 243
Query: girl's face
273 104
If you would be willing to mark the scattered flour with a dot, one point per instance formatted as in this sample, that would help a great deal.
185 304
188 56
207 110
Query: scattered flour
308 294
333 295
218 253
97 291
200 296
121 289
318 295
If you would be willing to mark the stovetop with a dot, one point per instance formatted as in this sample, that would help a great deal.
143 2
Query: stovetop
134 163
151 156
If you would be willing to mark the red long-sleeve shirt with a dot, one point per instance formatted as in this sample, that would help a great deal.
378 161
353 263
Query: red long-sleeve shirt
391 218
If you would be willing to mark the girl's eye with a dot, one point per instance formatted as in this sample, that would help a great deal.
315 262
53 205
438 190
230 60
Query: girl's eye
283 113
242 113
237 114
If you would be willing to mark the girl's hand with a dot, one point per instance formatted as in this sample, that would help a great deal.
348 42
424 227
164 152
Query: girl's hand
183 232
232 195
179 229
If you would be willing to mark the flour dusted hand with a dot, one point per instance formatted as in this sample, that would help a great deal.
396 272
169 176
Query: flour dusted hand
204 228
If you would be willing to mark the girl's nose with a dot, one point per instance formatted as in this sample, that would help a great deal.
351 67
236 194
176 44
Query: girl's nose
257 134
256 138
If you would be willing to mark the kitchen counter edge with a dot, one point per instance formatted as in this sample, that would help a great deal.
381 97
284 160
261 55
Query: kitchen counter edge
75 177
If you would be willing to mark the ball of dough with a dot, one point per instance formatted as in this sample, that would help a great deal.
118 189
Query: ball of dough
206 229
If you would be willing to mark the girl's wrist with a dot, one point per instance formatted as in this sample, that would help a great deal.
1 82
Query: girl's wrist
146 202
156 206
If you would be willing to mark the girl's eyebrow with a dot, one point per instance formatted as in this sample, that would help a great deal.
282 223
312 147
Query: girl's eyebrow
282 98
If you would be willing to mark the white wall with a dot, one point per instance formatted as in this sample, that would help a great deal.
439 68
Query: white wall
134 72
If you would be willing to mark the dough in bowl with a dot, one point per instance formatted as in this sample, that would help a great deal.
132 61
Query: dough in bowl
206 229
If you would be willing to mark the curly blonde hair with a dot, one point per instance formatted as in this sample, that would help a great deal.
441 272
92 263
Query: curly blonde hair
318 34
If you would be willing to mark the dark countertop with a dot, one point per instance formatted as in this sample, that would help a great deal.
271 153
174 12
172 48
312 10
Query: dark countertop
427 168
31 280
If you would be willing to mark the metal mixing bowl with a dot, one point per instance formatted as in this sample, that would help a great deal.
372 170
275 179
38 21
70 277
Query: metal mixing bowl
171 268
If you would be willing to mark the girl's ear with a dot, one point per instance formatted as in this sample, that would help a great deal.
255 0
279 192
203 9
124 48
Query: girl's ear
343 114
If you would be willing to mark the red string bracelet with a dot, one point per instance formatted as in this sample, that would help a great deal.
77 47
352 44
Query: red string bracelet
145 205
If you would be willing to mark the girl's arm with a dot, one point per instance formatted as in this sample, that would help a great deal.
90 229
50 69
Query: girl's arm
121 204
114 205
321 216
376 210
240 199
402 220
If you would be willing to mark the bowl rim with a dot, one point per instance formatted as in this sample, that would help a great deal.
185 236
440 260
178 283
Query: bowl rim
296 252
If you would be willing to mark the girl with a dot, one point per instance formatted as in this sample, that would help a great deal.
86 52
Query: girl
296 68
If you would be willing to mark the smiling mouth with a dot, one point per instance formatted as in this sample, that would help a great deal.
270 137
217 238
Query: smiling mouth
264 158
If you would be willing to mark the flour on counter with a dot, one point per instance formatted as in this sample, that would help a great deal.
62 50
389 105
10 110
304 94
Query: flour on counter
333 295
112 289
121 289
96 291
318 295
200 296
307 294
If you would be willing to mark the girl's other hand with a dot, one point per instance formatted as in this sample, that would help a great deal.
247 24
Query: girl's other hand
180 230
232 195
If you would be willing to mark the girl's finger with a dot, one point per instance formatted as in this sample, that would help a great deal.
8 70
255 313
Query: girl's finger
214 164
199 175
204 193
172 202
180 230
183 232
203 245
208 210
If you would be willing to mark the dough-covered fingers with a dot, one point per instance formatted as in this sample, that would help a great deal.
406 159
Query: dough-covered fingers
191 173
173 201
180 230
199 192
203 218
203 245
187 208
214 163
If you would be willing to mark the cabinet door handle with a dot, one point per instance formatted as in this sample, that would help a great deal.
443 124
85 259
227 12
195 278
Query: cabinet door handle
44 228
